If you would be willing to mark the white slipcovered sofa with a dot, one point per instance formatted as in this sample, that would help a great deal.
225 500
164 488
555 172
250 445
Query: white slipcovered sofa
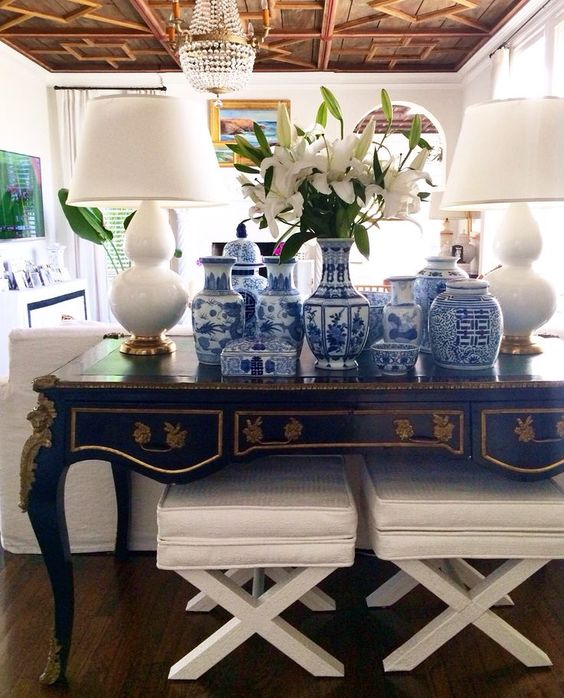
89 491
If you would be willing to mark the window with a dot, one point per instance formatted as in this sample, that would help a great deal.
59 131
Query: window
116 259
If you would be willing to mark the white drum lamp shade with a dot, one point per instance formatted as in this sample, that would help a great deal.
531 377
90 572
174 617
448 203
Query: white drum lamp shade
512 152
150 152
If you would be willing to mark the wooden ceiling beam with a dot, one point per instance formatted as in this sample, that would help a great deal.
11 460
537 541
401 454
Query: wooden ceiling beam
154 24
327 29
76 33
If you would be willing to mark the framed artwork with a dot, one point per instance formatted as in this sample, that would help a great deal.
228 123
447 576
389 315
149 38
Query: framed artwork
225 157
235 118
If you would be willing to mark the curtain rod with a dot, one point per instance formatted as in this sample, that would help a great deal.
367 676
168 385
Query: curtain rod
117 87
504 44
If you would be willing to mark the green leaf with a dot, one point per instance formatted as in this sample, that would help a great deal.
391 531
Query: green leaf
293 244
261 138
387 107
378 174
177 253
85 222
422 143
246 168
321 116
263 223
415 132
268 175
127 220
248 151
361 240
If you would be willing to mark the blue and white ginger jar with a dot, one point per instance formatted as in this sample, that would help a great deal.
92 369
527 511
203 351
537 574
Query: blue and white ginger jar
336 316
465 326
377 300
280 307
245 275
218 312
431 281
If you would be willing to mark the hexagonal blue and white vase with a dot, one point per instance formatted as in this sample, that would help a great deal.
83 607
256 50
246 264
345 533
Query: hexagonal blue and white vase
336 316
280 306
402 317
218 312
465 326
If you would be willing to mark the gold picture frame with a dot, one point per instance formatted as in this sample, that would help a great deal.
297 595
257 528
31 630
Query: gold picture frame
236 116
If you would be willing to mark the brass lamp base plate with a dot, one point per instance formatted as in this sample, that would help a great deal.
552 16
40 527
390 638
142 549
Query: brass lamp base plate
148 346
512 344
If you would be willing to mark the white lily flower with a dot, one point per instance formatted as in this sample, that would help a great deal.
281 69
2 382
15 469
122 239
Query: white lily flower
418 162
285 130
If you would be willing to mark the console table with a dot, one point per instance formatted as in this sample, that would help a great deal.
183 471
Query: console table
175 420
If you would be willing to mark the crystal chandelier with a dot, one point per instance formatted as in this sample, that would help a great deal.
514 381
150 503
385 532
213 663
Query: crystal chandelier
215 53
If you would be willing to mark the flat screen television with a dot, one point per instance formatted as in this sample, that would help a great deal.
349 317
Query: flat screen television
21 201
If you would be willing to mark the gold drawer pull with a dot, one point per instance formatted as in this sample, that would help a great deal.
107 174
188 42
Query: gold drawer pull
443 430
175 437
254 434
525 431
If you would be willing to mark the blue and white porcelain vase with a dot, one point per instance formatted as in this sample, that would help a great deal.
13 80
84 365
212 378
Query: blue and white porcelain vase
431 281
218 312
280 307
336 315
245 275
402 318
465 325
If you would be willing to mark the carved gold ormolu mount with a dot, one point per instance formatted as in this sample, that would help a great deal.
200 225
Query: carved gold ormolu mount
41 418
443 429
254 434
525 431
175 437
53 668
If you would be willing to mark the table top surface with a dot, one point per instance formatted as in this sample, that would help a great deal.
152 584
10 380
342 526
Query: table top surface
105 365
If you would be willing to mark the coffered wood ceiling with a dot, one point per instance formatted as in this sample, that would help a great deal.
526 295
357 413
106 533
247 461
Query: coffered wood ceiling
307 35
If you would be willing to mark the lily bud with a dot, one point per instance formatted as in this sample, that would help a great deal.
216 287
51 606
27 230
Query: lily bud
419 160
365 141
283 127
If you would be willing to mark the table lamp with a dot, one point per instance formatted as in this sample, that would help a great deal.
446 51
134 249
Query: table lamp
151 152
512 152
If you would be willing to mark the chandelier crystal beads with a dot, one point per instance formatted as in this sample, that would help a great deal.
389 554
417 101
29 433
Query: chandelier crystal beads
215 53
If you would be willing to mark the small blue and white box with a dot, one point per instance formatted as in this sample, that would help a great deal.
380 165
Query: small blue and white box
259 357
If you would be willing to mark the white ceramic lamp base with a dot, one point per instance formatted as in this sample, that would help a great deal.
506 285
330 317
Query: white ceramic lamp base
527 300
149 298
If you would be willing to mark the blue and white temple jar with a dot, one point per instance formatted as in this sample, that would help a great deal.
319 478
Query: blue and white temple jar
336 316
402 318
218 312
431 281
245 275
465 325
280 306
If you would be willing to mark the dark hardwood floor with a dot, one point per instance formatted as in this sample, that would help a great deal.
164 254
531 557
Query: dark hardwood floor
131 627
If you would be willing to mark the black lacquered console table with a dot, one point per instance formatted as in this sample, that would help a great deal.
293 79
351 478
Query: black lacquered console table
174 420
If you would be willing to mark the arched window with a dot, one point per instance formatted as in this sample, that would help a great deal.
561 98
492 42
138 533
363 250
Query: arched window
400 246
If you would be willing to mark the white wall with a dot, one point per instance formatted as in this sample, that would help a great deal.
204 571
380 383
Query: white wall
24 128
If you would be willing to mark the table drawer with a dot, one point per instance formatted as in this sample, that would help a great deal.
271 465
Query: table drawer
162 440
529 441
422 427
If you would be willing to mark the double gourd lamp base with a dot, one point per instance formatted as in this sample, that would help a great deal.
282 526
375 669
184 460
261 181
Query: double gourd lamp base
151 153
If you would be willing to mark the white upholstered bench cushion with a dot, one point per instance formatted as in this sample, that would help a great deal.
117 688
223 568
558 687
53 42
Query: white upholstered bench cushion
456 509
275 511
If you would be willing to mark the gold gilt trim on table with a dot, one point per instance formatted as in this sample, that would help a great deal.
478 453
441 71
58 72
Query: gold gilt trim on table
174 432
541 428
41 418
257 430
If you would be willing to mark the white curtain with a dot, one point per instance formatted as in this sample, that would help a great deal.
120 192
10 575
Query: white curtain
500 73
85 259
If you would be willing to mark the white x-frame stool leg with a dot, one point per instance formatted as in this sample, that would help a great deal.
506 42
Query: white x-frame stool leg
466 606
256 615
315 599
